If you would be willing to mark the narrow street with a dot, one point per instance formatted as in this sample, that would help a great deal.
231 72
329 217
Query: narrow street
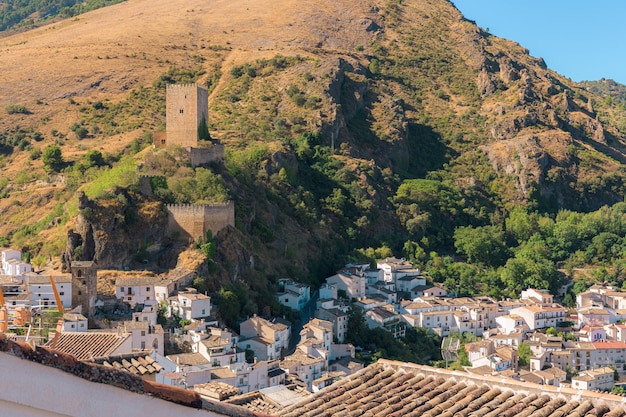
306 314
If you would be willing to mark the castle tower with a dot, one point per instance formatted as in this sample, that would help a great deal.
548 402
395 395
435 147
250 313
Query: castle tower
84 285
187 107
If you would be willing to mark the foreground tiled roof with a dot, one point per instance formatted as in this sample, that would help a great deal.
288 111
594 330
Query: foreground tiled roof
88 345
390 388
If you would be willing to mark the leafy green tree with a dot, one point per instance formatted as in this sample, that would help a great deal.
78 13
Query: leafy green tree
53 158
520 224
523 273
203 130
524 354
569 300
94 158
484 244
228 307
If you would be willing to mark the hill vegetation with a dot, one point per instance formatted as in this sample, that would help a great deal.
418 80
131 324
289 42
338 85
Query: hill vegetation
353 130
26 14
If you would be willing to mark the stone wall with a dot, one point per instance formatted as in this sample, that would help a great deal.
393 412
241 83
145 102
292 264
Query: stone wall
203 156
192 221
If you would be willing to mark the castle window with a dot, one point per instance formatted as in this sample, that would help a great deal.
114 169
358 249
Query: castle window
181 111
79 273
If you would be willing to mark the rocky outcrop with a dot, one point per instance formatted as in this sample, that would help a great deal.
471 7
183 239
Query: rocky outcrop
116 232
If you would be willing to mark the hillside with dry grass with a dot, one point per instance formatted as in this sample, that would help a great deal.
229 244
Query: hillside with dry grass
352 129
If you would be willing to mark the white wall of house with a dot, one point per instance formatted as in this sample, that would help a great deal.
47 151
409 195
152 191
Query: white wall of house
328 292
75 326
136 294
352 284
54 388
43 294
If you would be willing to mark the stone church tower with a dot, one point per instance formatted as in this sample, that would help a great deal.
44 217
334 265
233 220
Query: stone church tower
84 285
187 108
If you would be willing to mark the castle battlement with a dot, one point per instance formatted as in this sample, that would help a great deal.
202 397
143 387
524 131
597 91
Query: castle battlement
183 86
192 221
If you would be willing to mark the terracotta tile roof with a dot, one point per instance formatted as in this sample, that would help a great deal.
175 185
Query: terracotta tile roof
135 363
88 345
189 359
609 344
216 390
390 388
74 317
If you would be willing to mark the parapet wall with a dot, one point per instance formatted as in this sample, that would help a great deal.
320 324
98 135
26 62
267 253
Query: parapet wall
192 221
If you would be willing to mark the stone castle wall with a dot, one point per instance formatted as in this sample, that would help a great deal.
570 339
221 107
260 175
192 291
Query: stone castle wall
186 105
192 221
203 156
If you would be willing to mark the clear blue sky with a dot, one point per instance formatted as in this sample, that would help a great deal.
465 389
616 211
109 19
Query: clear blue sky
580 39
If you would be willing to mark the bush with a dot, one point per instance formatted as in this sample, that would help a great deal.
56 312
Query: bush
13 108
52 158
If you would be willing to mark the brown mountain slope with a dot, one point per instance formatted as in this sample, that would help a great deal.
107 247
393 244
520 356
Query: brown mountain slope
395 90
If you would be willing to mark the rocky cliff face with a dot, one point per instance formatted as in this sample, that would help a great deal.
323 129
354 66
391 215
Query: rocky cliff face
120 232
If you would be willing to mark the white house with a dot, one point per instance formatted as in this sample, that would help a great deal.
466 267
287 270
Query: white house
408 282
190 304
41 292
439 321
184 370
616 332
73 322
275 331
306 367
12 263
386 319
322 330
539 296
540 316
351 281
511 323
338 316
595 316
293 294
148 314
219 351
145 336
136 290
427 291
594 379
264 349
328 292
394 268
250 377
592 333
